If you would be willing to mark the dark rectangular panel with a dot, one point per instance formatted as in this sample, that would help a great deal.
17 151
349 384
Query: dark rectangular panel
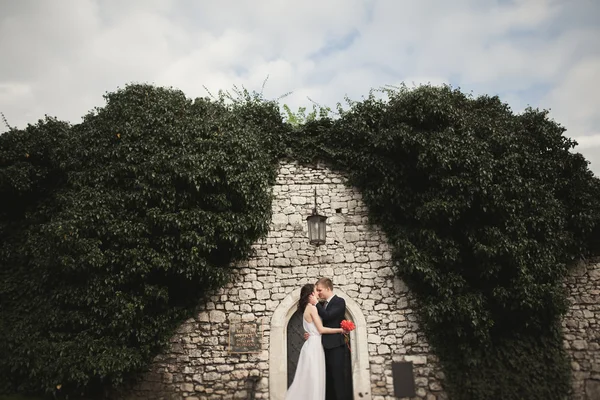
404 380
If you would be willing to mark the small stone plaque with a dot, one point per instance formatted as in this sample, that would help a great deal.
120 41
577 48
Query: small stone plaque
245 337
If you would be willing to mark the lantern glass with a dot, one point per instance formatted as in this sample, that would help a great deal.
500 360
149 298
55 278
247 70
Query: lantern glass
317 229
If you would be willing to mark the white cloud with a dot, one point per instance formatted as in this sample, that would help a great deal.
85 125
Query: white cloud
587 142
64 55
576 98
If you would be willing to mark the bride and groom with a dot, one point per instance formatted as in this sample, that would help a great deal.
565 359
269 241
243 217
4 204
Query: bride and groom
324 370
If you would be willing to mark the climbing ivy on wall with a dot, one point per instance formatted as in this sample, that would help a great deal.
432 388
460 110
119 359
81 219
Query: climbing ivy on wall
117 226
485 210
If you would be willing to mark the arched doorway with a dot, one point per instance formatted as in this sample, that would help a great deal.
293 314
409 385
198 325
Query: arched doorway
279 351
295 340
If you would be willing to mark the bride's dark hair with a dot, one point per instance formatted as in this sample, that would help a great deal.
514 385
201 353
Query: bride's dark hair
305 293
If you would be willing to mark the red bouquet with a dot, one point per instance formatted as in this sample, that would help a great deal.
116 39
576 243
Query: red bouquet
348 326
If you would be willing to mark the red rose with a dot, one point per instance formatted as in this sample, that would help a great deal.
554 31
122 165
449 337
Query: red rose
348 326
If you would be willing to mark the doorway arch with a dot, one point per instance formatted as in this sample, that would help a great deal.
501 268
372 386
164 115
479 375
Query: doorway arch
278 347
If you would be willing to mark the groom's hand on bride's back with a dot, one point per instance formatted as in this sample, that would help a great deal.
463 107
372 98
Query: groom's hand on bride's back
306 335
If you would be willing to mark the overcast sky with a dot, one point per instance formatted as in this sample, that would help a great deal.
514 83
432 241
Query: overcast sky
59 57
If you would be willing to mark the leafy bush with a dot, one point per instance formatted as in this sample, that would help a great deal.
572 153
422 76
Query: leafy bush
484 209
114 228
131 216
30 169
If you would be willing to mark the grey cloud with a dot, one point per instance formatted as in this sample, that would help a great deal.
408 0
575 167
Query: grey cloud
64 55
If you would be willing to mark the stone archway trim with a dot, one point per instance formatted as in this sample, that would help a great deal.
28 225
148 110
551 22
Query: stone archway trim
278 347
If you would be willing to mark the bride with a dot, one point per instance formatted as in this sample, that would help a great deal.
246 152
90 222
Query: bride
309 380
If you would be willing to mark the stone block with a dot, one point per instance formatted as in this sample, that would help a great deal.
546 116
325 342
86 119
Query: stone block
295 219
281 262
383 349
263 294
280 219
409 338
187 387
339 258
417 360
400 286
594 274
298 200
351 237
247 294
211 376
257 285
258 307
373 338
421 381
390 339
579 344
592 389
217 316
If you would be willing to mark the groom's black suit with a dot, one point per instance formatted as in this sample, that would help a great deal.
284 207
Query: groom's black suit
337 354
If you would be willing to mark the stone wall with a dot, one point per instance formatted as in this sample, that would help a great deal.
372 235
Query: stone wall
582 330
198 364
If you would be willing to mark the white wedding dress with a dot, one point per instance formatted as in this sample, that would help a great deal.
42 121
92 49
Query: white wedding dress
309 381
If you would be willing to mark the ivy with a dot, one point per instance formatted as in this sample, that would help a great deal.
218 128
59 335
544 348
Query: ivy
484 210
115 228
123 223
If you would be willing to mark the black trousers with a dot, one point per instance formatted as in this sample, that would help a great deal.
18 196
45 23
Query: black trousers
338 374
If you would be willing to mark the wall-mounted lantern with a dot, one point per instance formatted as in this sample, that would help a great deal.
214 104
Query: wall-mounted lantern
316 226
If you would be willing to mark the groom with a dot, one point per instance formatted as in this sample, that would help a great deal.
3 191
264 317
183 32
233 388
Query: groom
337 354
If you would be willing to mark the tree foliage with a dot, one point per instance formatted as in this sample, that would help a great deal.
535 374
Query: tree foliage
484 210
115 227
118 225
300 117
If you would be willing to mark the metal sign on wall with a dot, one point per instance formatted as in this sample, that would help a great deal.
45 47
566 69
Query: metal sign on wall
245 337
404 379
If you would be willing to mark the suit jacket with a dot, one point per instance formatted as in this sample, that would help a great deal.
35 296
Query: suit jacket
332 316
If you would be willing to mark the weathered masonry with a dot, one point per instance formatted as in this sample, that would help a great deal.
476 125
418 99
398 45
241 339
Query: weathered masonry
202 363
